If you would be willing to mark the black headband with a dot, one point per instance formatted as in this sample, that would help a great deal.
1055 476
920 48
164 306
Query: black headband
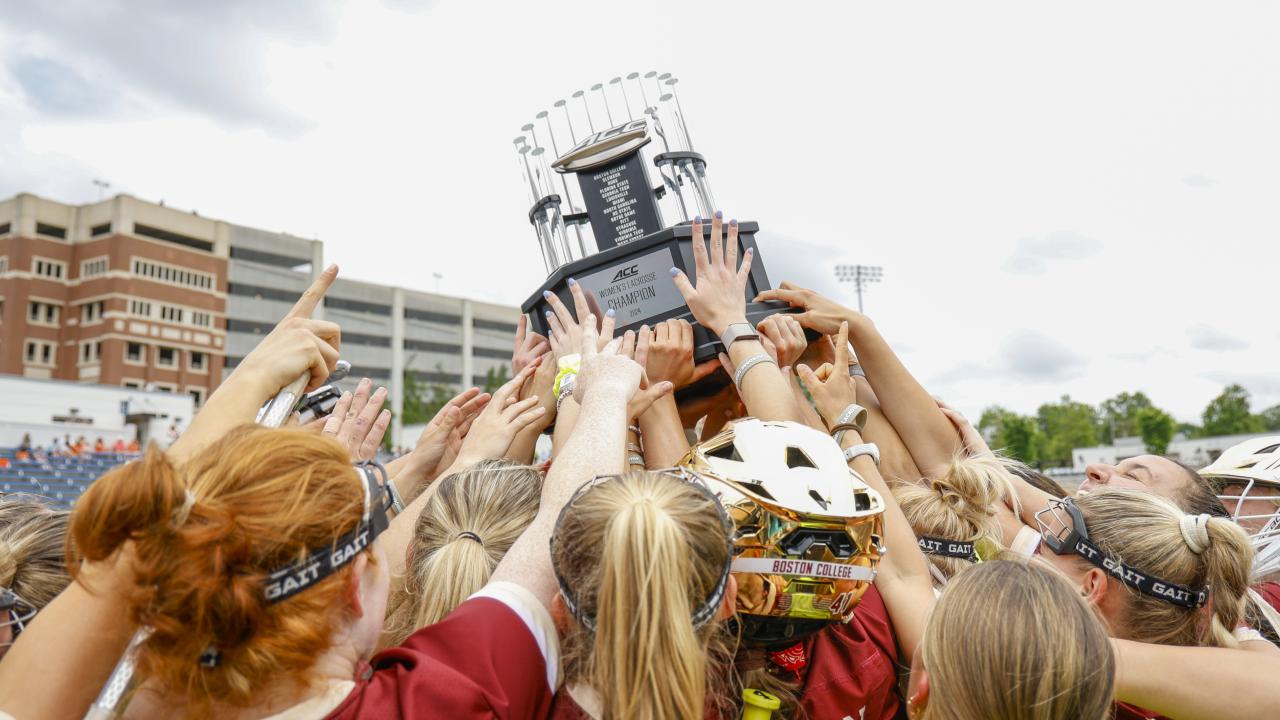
707 610
1078 542
947 548
292 579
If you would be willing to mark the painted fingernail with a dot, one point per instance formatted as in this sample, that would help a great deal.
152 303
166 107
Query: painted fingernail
675 272
697 218
751 251
609 312
572 282
546 294
733 222
719 215
548 314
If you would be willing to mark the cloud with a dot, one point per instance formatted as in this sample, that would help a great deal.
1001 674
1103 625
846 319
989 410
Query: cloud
1198 181
1261 385
204 56
803 263
1206 337
1032 355
57 89
1032 254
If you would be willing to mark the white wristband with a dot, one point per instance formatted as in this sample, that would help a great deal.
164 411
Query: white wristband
855 451
746 366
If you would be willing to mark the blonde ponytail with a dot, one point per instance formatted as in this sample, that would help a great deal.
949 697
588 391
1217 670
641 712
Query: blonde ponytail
959 505
33 540
1151 534
467 526
641 555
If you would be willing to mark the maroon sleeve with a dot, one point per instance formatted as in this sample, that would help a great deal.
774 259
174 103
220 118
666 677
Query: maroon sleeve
479 662
853 666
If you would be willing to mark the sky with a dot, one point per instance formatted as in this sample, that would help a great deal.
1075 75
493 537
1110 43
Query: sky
1069 198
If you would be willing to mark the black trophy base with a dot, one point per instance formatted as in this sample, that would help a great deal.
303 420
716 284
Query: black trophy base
635 281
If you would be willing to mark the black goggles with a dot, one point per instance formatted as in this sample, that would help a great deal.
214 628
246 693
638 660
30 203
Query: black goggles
319 564
707 610
1063 531
16 613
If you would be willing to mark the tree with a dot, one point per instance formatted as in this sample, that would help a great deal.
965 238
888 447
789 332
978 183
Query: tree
495 378
1020 438
993 418
1228 414
1066 425
1270 418
1118 416
1156 427
421 401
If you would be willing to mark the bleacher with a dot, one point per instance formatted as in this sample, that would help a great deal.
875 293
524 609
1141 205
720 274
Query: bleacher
61 479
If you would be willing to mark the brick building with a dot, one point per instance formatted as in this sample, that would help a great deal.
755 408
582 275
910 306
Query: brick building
118 292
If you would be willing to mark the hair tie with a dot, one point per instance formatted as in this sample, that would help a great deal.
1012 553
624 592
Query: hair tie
470 536
1195 531
180 517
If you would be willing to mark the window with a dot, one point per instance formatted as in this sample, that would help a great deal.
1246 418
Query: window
42 313
196 394
169 313
93 266
51 231
172 274
141 308
133 353
166 357
102 229
91 312
45 267
91 352
202 319
165 387
132 384
4 228
4 263
196 363
40 352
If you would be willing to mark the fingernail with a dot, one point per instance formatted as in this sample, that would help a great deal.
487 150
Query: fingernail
697 219
572 282
719 215
346 394
609 312
733 222
750 251
548 314
675 272
546 294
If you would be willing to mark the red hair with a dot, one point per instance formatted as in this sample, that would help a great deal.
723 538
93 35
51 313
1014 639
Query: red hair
262 499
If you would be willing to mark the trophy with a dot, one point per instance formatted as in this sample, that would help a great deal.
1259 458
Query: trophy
602 220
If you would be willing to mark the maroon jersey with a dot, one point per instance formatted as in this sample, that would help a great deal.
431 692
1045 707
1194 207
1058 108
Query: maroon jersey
1270 592
852 667
495 656
1125 711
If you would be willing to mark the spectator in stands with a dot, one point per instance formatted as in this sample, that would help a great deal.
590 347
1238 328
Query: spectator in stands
32 569
4 462
119 446
100 446
54 448
78 448
134 446
25 445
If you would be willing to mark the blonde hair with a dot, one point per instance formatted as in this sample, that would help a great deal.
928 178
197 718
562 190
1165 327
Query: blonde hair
958 505
261 499
32 550
640 554
466 527
1013 639
1144 531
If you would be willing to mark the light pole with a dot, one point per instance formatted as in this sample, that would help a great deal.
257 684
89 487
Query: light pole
438 278
102 186
860 276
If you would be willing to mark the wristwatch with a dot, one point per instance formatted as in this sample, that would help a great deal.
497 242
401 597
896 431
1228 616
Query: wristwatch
870 449
736 332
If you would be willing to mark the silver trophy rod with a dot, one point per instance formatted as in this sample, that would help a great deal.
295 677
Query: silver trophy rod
573 135
564 182
586 107
599 87
644 97
625 100
688 140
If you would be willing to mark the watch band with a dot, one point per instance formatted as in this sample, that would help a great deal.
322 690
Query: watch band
854 415
397 503
736 332
855 451
746 366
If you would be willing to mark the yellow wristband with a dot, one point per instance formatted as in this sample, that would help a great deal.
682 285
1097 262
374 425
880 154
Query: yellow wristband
568 365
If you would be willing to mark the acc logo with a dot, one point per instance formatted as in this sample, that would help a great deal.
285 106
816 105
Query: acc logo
626 272
604 147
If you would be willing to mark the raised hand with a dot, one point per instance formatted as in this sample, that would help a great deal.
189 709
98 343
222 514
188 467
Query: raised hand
528 345
358 421
297 344
636 346
670 354
718 300
566 329
820 313
785 338
604 372
974 444
831 386
491 432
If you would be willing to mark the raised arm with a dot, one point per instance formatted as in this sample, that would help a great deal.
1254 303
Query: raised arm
670 359
719 300
606 382
928 435
1197 683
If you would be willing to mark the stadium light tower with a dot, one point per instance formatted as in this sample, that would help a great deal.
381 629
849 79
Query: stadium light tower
860 276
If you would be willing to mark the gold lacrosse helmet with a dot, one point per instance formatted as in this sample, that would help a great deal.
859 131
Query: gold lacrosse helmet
807 529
